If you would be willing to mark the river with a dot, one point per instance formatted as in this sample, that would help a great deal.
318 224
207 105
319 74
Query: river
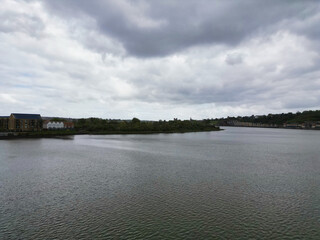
240 183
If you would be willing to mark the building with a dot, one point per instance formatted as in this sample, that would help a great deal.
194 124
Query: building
55 125
45 124
21 122
4 123
69 125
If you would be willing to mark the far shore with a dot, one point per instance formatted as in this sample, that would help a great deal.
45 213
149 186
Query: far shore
289 128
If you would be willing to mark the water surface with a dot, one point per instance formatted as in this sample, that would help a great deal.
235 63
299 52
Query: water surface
240 183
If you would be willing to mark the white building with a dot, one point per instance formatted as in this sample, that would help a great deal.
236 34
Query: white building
55 125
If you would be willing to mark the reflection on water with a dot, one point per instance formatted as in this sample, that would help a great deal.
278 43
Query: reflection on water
65 137
240 183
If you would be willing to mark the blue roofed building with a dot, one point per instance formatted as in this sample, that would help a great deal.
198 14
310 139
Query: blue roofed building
22 122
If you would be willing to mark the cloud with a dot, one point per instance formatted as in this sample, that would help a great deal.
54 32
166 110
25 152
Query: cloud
158 28
158 59
7 98
234 58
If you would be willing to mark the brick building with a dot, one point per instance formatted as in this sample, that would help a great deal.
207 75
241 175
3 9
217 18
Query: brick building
21 122
4 123
69 125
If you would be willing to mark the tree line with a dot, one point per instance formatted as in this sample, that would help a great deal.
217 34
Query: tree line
136 125
279 119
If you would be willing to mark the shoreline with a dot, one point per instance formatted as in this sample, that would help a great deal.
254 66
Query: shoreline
21 135
289 128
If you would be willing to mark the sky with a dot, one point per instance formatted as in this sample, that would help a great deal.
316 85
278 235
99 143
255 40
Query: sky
159 59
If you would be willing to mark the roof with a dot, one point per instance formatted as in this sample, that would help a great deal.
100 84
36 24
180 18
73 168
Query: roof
26 116
4 116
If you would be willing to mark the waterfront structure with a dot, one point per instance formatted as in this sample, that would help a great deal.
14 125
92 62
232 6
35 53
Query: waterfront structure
291 125
21 122
4 123
69 125
57 125
45 124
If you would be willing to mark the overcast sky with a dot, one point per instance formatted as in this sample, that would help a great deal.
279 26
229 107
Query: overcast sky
159 59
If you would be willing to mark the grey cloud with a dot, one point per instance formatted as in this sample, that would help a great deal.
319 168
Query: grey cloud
232 91
21 22
158 28
234 58
258 55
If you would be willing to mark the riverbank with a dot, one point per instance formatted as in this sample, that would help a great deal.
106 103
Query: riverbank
272 127
58 134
